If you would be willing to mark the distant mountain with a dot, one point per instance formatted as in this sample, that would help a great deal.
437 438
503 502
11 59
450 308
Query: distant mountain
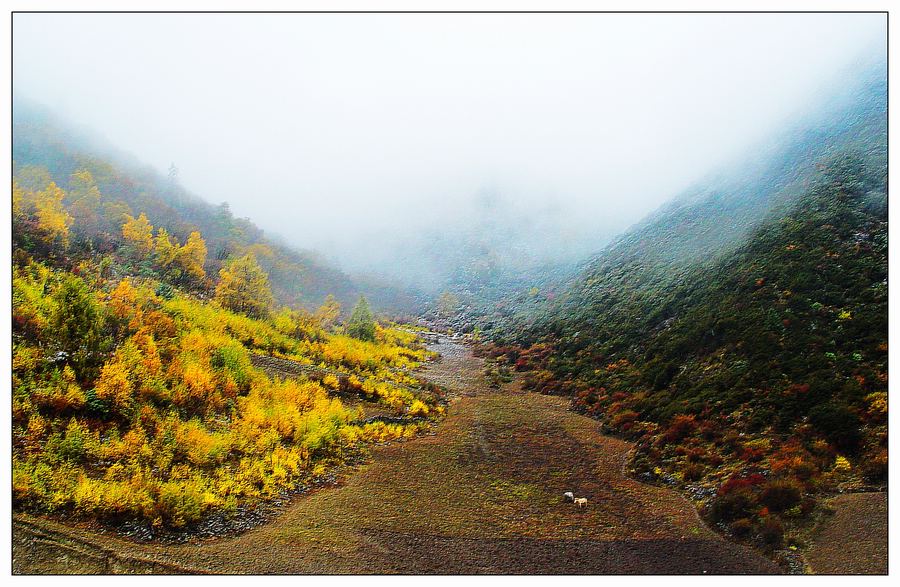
711 220
298 277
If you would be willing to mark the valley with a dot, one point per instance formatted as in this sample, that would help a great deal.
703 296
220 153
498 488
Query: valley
480 493
419 298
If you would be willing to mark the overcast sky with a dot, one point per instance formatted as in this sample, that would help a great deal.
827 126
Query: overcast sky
341 132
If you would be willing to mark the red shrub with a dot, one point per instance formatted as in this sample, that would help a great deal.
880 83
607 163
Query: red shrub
681 426
622 418
735 483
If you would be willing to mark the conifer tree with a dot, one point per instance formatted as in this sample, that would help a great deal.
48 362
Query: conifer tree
361 324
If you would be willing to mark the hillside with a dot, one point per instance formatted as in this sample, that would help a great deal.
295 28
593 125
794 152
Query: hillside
607 292
45 149
740 335
137 403
160 380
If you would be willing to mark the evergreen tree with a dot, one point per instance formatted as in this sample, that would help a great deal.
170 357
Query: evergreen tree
78 324
361 324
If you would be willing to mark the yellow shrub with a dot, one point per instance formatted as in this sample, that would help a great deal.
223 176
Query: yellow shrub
877 405
418 408
114 385
196 426
841 465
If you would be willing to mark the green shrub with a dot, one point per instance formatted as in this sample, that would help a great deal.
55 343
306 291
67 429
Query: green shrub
180 503
780 495
165 291
235 361
70 445
838 424
94 405
771 531
740 503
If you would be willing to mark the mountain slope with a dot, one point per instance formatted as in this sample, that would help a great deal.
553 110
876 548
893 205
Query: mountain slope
298 278
151 390
741 332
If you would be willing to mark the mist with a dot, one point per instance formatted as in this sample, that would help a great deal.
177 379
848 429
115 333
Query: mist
372 137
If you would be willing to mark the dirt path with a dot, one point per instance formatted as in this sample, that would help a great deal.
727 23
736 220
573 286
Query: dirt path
863 516
482 494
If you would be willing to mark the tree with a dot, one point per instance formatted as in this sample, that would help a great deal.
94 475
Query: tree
165 248
78 325
86 205
138 232
115 214
191 257
19 209
264 254
361 324
33 178
24 224
53 219
244 287
328 312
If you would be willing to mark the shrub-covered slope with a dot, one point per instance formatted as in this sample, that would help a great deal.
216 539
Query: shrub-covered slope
751 368
612 292
149 358
133 400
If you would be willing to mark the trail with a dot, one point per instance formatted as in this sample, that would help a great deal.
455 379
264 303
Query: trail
854 541
481 494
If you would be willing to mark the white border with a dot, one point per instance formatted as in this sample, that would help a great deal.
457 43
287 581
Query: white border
422 5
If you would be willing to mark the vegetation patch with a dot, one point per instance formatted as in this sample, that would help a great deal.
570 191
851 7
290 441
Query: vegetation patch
755 382
135 397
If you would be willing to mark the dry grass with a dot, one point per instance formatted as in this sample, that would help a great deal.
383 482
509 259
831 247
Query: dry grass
482 494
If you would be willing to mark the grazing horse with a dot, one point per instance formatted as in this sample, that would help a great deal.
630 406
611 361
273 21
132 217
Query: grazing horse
580 501
569 496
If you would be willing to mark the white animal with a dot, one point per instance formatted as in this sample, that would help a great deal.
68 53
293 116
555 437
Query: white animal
580 501
569 496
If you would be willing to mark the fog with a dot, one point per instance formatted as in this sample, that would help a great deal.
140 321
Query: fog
367 136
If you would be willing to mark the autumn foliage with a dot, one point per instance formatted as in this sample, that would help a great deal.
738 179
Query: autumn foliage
135 395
